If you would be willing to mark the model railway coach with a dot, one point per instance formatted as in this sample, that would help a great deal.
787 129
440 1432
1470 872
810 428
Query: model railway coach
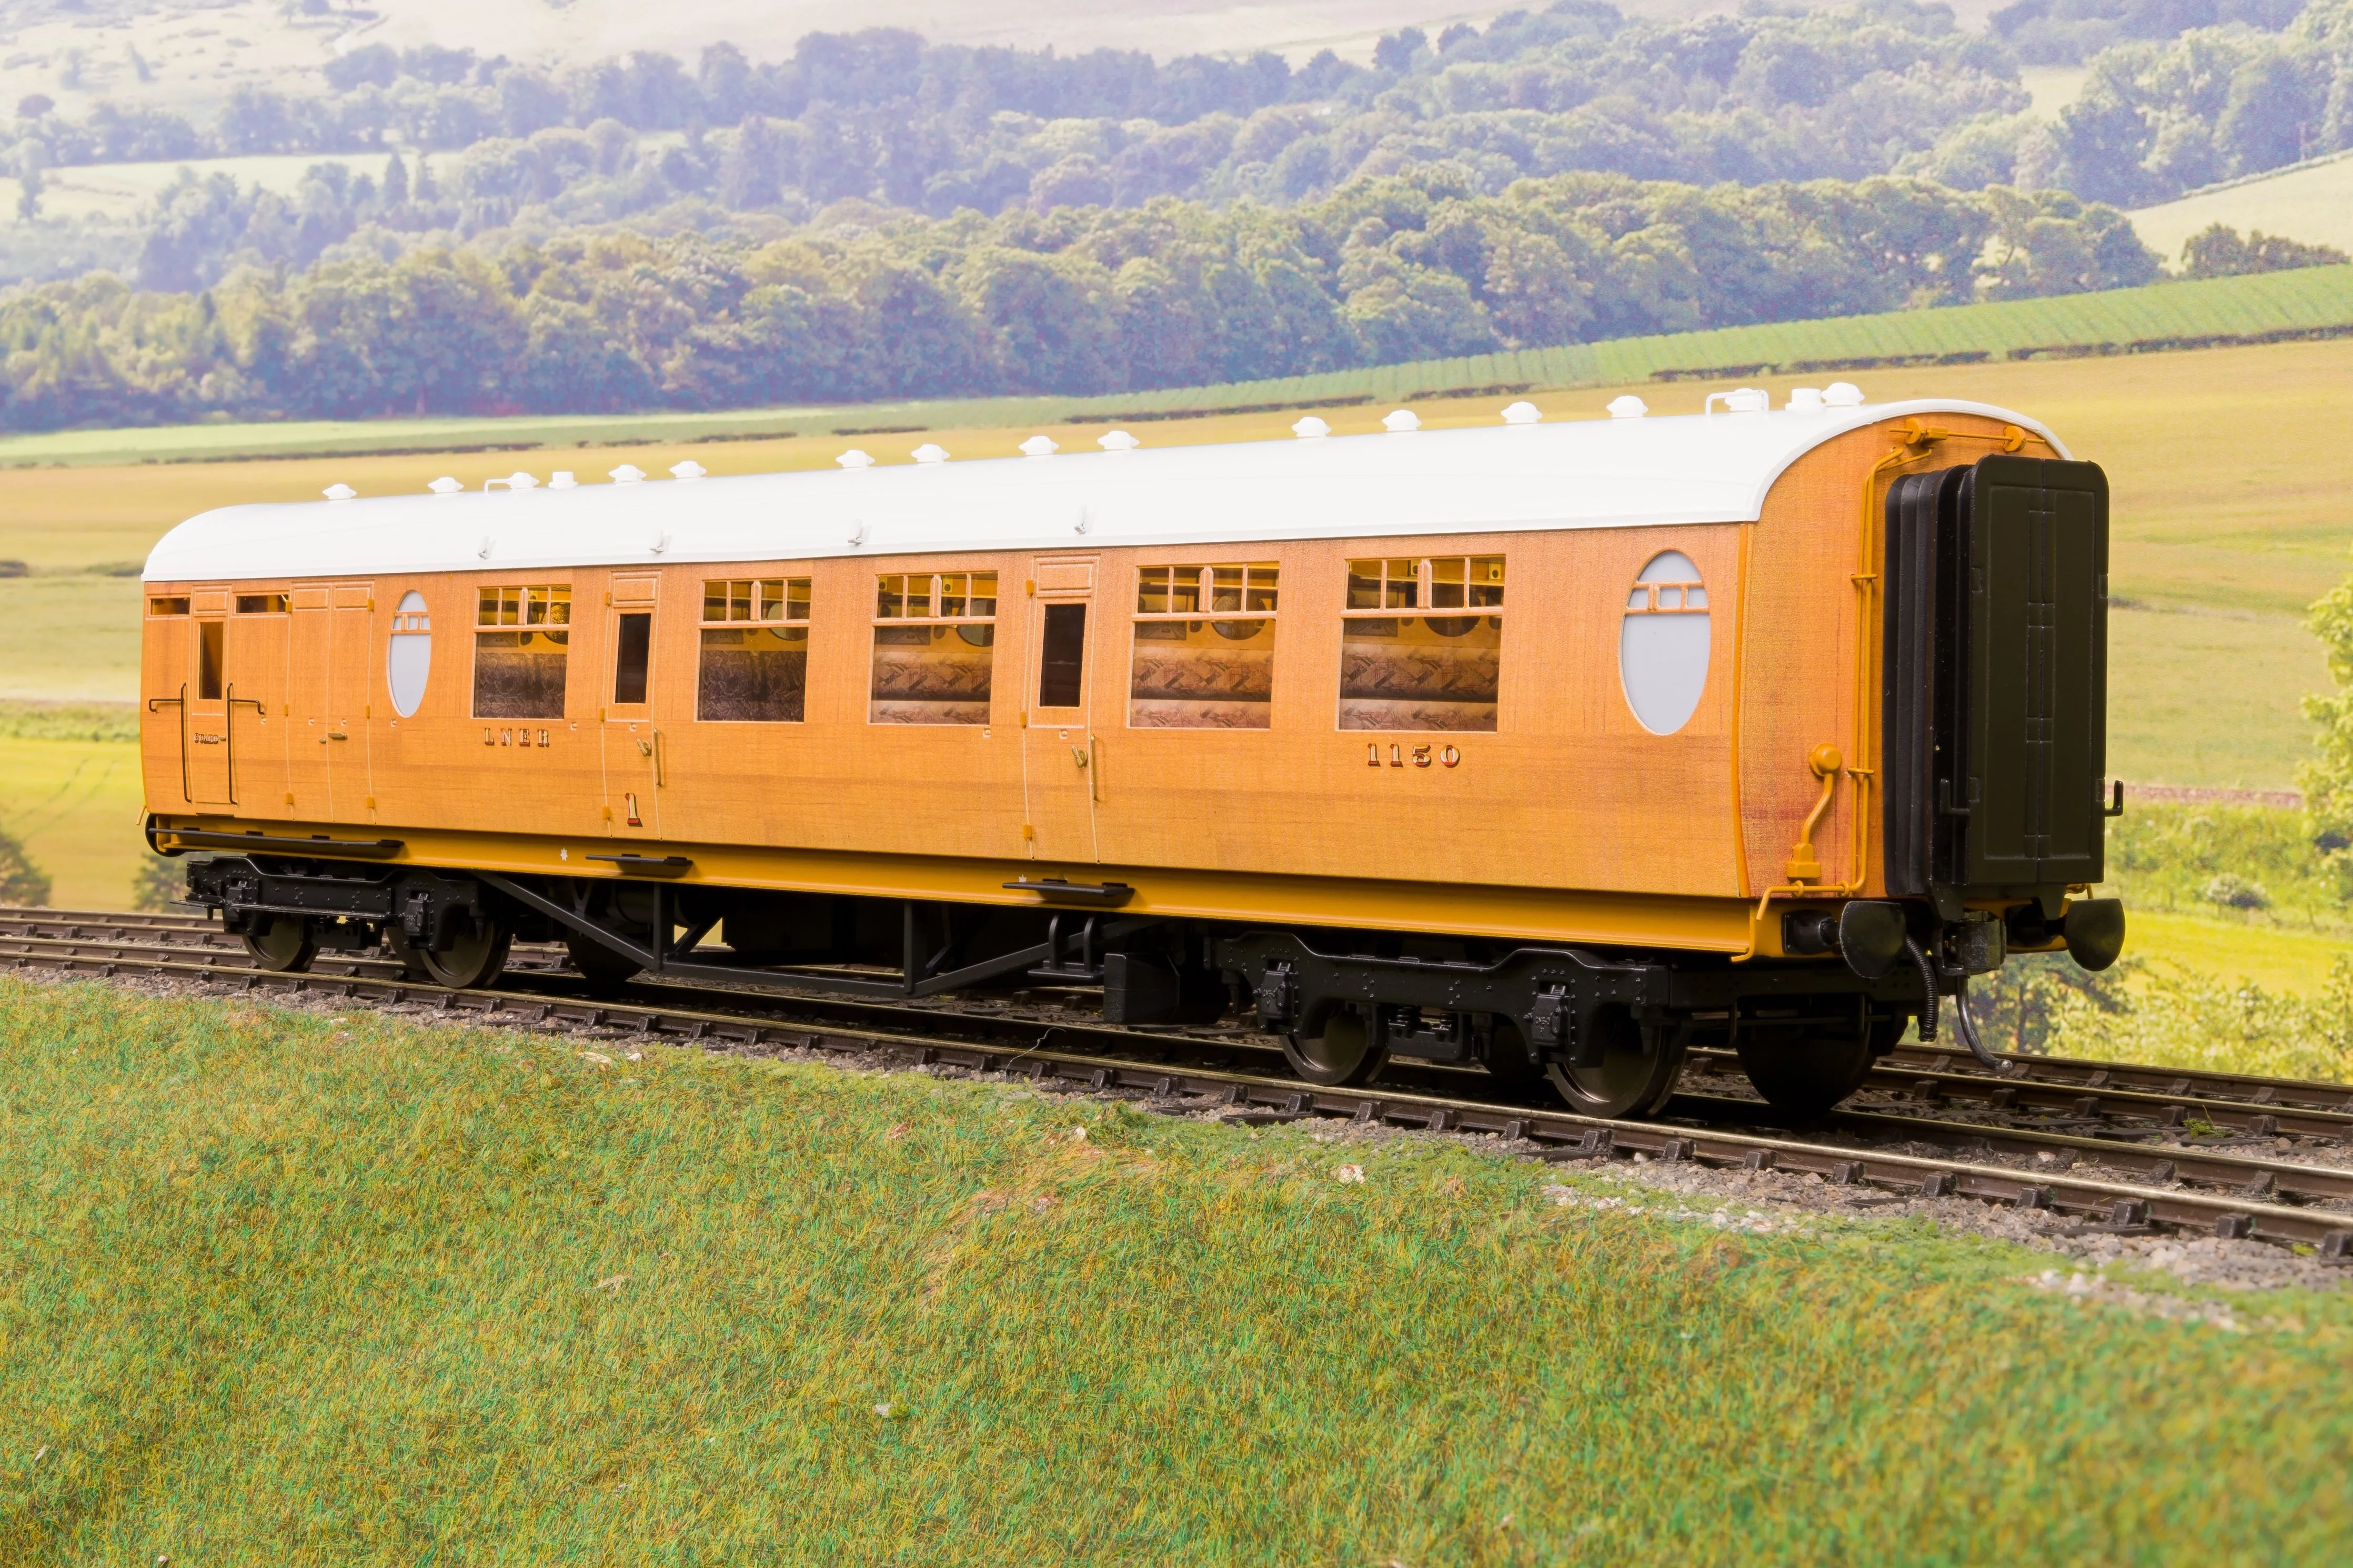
1554 747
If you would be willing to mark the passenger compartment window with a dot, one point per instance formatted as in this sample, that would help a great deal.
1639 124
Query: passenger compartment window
934 637
173 605
1204 648
261 603
521 640
755 650
1421 642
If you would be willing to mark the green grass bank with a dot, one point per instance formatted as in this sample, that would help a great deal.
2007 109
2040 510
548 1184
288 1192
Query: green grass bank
311 1288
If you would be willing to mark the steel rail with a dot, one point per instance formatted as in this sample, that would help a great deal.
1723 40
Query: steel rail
2123 1208
2087 1091
2254 1175
2008 1093
2079 1072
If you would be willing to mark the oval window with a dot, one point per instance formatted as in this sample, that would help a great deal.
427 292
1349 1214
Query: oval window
1663 643
409 660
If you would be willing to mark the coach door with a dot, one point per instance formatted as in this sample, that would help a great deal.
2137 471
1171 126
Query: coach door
330 702
636 765
1061 758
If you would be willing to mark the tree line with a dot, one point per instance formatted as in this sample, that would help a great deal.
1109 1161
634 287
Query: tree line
2159 117
1073 299
884 116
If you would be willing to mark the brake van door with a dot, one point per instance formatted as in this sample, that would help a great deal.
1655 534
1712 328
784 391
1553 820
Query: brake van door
1060 755
207 709
352 702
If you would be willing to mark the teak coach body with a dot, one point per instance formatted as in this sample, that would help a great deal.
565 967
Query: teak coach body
1556 747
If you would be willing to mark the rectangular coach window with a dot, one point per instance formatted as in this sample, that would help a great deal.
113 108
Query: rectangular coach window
210 636
1062 657
755 650
934 645
521 639
1204 648
1419 671
633 649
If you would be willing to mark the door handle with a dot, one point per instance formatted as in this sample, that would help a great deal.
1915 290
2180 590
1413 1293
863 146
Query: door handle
336 735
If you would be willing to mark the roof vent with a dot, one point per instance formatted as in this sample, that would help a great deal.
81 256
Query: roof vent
689 469
1628 407
1040 446
519 480
339 492
1805 400
1842 394
561 480
1117 441
1311 428
855 459
1522 414
1404 422
445 486
627 474
930 452
1741 400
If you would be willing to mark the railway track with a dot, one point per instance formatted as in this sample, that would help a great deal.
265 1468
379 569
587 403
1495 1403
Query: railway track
2120 1153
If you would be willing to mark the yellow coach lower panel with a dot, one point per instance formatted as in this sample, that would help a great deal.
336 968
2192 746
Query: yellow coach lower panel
1450 909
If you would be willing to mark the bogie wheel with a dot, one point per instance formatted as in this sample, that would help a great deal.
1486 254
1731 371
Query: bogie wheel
1804 1073
474 959
1636 1073
284 945
604 970
1509 1061
1341 1053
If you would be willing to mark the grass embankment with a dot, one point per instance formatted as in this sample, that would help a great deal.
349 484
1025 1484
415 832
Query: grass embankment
303 1289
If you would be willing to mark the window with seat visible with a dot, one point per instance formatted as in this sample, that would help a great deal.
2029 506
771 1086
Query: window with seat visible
754 655
1421 642
1204 654
934 647
522 640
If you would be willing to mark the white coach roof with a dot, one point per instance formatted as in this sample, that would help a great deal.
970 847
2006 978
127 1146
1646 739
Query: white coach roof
1605 473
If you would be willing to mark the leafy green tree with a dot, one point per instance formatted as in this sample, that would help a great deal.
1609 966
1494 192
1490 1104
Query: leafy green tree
21 881
2326 780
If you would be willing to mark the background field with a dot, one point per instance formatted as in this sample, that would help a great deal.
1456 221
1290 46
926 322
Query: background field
2313 204
283 1288
2233 513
